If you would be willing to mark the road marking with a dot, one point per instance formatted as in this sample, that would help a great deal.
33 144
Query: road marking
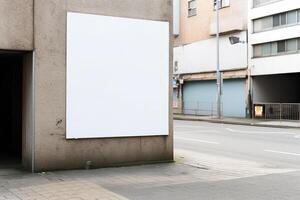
282 152
188 126
196 140
239 131
198 131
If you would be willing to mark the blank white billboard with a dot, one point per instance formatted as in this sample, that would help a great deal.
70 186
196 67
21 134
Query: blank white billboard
117 77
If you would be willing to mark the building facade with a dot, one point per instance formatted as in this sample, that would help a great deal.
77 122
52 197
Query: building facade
274 46
195 58
36 56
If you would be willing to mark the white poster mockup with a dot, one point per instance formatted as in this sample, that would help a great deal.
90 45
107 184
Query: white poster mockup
117 77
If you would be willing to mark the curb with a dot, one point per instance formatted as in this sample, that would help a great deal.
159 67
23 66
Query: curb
233 122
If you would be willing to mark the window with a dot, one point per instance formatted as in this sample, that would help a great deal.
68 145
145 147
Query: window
292 17
267 23
263 24
266 49
281 46
283 19
257 51
291 45
192 8
277 48
257 25
276 20
273 48
223 3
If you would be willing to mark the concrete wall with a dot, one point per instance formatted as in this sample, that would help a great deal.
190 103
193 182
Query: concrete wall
27 112
275 65
16 33
52 150
16 24
275 35
201 56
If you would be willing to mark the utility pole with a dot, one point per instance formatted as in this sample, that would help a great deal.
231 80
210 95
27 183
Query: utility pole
218 60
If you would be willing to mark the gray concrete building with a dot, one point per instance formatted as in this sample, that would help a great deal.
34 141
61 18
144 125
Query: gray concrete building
33 87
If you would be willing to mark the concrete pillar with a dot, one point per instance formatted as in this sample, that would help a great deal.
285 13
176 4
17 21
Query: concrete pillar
51 150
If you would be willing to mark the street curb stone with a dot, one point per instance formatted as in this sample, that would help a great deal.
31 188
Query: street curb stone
190 118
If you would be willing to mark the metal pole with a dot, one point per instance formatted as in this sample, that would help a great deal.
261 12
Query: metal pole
280 111
298 112
250 105
218 61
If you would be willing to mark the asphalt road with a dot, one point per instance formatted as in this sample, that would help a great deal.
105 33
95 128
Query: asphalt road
272 146
264 162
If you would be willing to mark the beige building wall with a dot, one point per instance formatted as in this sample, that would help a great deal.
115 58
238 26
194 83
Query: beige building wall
16 24
52 150
39 27
202 26
16 37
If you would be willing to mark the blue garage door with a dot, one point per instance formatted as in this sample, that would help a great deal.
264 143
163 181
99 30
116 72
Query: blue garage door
200 97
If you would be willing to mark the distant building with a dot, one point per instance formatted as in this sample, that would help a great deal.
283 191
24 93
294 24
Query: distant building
274 38
195 57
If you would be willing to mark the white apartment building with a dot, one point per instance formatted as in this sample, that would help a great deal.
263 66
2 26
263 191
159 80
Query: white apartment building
274 47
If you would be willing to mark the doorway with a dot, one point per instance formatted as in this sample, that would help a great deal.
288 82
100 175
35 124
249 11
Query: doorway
11 65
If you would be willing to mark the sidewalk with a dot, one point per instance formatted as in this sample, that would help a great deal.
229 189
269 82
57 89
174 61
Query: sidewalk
194 176
157 181
240 121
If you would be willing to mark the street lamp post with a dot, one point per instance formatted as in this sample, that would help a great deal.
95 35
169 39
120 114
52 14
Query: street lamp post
218 60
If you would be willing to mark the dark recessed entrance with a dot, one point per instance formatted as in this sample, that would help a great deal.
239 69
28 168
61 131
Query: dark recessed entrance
277 96
11 108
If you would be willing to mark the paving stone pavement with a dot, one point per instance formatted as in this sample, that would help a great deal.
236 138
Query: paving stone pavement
98 184
216 178
65 190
